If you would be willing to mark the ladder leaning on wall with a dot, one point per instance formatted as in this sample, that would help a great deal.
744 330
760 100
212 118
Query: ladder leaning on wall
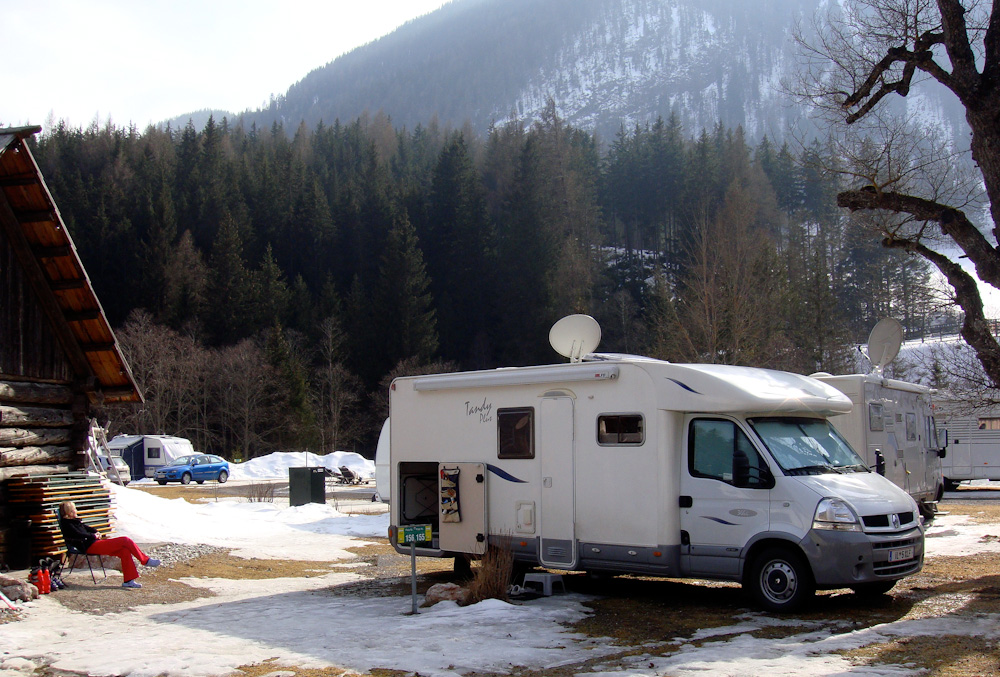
97 446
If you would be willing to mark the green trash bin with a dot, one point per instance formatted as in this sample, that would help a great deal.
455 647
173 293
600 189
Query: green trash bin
306 485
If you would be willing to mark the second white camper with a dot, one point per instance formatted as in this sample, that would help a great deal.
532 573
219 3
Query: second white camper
892 426
627 464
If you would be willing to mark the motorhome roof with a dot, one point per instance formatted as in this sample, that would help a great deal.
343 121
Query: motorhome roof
680 387
879 380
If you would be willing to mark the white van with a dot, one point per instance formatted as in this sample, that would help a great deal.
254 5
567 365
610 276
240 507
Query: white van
119 473
628 464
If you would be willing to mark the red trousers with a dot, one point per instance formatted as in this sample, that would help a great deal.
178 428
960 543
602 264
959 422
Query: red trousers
124 548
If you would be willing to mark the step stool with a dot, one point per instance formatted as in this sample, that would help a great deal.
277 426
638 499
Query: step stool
546 581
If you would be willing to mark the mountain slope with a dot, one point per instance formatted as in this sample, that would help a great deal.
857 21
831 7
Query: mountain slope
605 63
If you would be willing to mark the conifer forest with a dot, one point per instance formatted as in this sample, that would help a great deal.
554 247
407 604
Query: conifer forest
266 285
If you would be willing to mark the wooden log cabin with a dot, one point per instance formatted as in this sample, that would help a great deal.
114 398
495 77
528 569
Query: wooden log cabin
59 358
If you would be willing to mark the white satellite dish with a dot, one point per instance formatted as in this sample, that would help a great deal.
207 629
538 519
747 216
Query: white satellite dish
884 343
575 336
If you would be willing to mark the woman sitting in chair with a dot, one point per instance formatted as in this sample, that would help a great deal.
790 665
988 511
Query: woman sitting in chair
86 539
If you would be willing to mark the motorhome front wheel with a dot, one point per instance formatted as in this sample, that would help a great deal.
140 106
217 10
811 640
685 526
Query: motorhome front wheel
780 580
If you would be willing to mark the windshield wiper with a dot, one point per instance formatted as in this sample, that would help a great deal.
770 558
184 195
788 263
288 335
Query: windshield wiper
812 470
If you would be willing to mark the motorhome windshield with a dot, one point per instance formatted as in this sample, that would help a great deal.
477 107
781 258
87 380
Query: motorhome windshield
807 446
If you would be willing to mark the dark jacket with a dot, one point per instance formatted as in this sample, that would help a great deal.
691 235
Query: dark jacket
77 534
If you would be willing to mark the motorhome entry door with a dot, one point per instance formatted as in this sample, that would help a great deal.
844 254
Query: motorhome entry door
462 507
557 514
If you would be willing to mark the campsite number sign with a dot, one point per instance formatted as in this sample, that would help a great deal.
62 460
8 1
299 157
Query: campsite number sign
414 533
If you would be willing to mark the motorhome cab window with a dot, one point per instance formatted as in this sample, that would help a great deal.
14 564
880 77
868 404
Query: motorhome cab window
807 446
620 430
719 450
911 427
989 424
875 421
515 433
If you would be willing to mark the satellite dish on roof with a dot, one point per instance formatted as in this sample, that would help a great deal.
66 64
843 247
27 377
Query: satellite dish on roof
884 342
575 336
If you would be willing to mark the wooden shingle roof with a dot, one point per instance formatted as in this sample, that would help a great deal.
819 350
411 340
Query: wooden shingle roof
51 263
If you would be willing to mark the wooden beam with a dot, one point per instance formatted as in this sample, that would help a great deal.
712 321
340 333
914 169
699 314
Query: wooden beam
41 417
49 455
16 180
97 347
82 315
34 437
35 215
66 285
28 392
53 252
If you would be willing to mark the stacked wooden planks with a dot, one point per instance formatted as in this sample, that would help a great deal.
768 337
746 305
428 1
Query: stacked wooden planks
38 497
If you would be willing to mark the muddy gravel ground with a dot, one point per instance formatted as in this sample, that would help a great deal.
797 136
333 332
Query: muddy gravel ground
642 616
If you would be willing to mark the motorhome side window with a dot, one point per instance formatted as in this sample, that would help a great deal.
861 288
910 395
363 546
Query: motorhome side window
153 452
875 420
911 427
719 450
620 430
989 424
516 433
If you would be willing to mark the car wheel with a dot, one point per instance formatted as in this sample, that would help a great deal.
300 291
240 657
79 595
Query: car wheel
873 589
186 478
201 481
780 580
161 482
223 476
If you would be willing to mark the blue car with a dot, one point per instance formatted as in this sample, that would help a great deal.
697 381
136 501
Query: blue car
199 468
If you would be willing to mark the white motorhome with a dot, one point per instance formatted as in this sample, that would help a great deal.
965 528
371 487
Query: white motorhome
892 427
144 454
627 464
973 444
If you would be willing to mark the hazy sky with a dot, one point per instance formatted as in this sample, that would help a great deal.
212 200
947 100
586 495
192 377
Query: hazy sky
142 61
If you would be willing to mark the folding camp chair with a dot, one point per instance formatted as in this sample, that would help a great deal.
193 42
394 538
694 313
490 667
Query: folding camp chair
74 553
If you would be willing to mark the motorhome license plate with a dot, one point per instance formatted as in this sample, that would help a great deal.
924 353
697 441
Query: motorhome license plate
900 554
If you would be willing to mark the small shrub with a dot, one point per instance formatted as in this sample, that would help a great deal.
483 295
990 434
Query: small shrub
259 492
492 578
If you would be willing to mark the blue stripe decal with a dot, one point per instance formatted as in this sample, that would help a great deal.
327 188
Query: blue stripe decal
720 521
504 474
687 388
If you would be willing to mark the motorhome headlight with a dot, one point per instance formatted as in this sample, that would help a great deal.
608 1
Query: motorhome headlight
834 514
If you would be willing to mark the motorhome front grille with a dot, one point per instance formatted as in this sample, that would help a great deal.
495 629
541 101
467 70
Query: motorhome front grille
889 545
896 568
876 521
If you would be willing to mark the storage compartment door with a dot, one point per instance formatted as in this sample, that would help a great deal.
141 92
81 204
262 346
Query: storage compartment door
462 520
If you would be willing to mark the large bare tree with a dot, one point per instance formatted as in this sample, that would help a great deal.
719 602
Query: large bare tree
867 53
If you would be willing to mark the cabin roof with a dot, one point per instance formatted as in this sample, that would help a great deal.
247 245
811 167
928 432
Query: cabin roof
43 245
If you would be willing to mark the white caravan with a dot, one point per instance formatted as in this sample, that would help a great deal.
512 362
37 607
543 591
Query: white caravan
144 454
973 444
892 422
627 464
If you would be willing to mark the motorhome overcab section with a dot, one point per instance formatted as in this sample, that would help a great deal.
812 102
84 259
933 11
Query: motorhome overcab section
629 464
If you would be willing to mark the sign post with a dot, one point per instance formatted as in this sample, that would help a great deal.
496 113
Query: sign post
413 534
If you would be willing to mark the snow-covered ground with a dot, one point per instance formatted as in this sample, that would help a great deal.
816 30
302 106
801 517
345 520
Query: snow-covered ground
303 622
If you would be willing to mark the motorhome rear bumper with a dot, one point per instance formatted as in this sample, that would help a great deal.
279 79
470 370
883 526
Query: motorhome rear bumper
847 558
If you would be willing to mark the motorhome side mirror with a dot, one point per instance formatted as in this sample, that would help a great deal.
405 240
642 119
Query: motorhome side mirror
942 440
942 452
